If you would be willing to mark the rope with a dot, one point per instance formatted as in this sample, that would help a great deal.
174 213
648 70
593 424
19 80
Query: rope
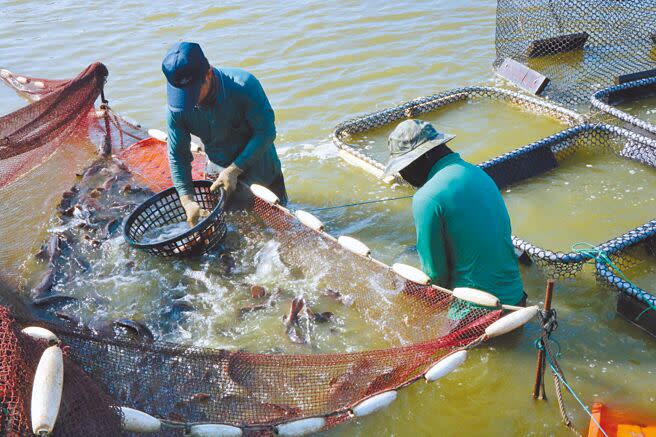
359 203
560 379
600 256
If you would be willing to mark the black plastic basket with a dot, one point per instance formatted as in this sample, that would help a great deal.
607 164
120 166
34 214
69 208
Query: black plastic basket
164 208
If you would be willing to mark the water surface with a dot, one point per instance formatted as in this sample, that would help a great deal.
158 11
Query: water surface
322 63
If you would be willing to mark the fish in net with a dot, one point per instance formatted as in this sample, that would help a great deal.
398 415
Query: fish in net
188 387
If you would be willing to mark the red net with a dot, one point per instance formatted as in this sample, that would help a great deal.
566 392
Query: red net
61 109
254 391
85 409
148 161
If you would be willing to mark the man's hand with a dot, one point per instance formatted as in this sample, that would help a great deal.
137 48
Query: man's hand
193 210
227 179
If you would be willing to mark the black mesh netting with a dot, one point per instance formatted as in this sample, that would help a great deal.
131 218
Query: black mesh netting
581 45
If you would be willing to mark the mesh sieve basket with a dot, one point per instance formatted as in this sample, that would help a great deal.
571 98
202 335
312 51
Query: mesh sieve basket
164 208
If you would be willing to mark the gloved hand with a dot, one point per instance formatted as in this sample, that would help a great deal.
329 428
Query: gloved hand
227 179
193 210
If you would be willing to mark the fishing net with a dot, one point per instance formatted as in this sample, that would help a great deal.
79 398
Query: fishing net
580 45
183 384
85 410
546 155
60 131
61 109
414 108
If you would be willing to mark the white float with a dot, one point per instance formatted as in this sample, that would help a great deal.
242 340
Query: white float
39 84
511 321
446 365
309 220
158 134
47 390
301 427
214 430
22 79
477 297
410 273
5 74
355 246
264 193
138 421
40 333
374 403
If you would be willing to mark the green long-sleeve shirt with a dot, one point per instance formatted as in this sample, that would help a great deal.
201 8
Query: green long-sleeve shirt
239 128
463 231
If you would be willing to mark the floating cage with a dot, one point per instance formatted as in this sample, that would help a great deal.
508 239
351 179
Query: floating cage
545 155
580 45
634 303
414 108
606 99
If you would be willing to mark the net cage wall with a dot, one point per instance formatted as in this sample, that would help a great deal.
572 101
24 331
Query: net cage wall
413 108
634 302
185 385
580 45
544 155
606 99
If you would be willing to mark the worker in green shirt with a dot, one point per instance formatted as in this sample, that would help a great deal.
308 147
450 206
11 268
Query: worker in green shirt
229 111
462 224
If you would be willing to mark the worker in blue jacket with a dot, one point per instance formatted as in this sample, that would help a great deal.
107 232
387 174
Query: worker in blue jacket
229 111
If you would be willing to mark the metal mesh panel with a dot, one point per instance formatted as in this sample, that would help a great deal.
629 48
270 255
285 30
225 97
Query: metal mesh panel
581 45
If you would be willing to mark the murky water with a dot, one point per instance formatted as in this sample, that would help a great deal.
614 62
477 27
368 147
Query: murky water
321 63
573 202
480 126
644 108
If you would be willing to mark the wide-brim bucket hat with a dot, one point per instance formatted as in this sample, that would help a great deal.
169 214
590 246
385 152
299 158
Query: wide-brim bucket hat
411 139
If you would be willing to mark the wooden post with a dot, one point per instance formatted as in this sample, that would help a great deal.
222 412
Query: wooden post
538 393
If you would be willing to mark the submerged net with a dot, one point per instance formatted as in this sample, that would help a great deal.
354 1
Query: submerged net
185 384
580 45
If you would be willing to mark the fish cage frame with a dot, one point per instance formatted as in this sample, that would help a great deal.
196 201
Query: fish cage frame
422 105
568 264
602 100
635 304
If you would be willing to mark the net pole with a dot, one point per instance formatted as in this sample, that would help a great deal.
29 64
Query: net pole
538 392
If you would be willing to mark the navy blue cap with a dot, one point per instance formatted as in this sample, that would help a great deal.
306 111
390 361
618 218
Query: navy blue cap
184 66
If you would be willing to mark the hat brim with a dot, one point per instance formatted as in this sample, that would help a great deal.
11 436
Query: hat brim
398 163
183 98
